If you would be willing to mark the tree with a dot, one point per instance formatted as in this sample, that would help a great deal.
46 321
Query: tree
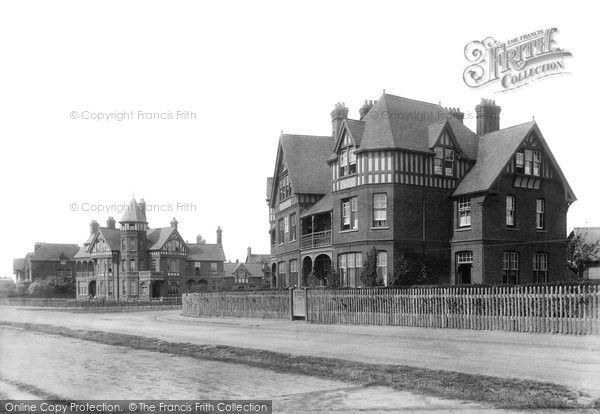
368 275
312 280
581 255
333 280
413 269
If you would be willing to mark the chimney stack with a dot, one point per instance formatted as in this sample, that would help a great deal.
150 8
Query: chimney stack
249 251
456 113
364 110
339 113
219 237
174 222
488 116
200 240
110 223
94 227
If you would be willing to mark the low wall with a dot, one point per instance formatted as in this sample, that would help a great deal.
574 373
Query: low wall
254 304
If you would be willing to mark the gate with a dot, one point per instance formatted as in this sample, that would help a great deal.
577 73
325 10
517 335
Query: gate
299 304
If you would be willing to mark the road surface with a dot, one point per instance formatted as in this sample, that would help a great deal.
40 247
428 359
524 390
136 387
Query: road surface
573 361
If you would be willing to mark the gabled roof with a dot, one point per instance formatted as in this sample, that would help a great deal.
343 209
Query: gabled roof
356 129
323 205
54 251
206 252
495 151
253 269
257 258
229 267
401 123
588 234
158 237
466 140
306 158
112 237
82 253
19 264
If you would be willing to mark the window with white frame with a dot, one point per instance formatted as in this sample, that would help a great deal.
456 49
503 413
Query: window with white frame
540 267
443 161
464 257
520 162
293 226
510 268
540 214
464 212
349 266
285 188
350 213
379 210
294 272
286 224
213 267
347 157
537 163
510 210
382 268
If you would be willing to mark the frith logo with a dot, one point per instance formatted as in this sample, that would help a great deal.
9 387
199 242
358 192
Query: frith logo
515 63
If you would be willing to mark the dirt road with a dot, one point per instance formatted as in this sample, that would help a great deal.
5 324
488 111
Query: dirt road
66 368
568 360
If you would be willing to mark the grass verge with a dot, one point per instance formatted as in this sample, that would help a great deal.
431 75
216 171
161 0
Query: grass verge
501 392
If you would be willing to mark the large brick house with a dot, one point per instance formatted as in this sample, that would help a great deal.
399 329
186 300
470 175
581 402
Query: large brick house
408 177
135 261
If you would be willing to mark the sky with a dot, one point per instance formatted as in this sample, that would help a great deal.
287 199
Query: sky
242 72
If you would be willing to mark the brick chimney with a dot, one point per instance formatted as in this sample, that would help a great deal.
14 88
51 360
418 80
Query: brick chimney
249 251
110 222
488 116
219 237
456 113
339 113
94 227
364 110
174 222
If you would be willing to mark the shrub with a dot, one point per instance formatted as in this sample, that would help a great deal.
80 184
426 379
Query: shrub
368 275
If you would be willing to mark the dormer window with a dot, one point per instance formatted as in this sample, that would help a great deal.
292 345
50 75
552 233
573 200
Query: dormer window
443 163
285 188
347 162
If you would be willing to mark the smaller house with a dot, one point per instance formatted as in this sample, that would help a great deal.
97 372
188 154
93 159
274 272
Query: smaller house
244 276
46 260
589 235
263 260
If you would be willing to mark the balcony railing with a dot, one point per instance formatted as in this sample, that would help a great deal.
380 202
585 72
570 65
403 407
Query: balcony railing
317 239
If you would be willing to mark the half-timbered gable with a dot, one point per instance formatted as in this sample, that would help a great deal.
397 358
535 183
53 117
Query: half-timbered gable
409 177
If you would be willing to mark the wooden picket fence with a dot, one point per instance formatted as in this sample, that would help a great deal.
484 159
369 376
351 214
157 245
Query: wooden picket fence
566 309
253 304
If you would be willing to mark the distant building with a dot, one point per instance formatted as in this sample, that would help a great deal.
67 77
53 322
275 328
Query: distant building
135 261
244 276
590 235
409 178
262 260
46 260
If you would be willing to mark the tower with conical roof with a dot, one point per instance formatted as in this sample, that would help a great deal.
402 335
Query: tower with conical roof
134 245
